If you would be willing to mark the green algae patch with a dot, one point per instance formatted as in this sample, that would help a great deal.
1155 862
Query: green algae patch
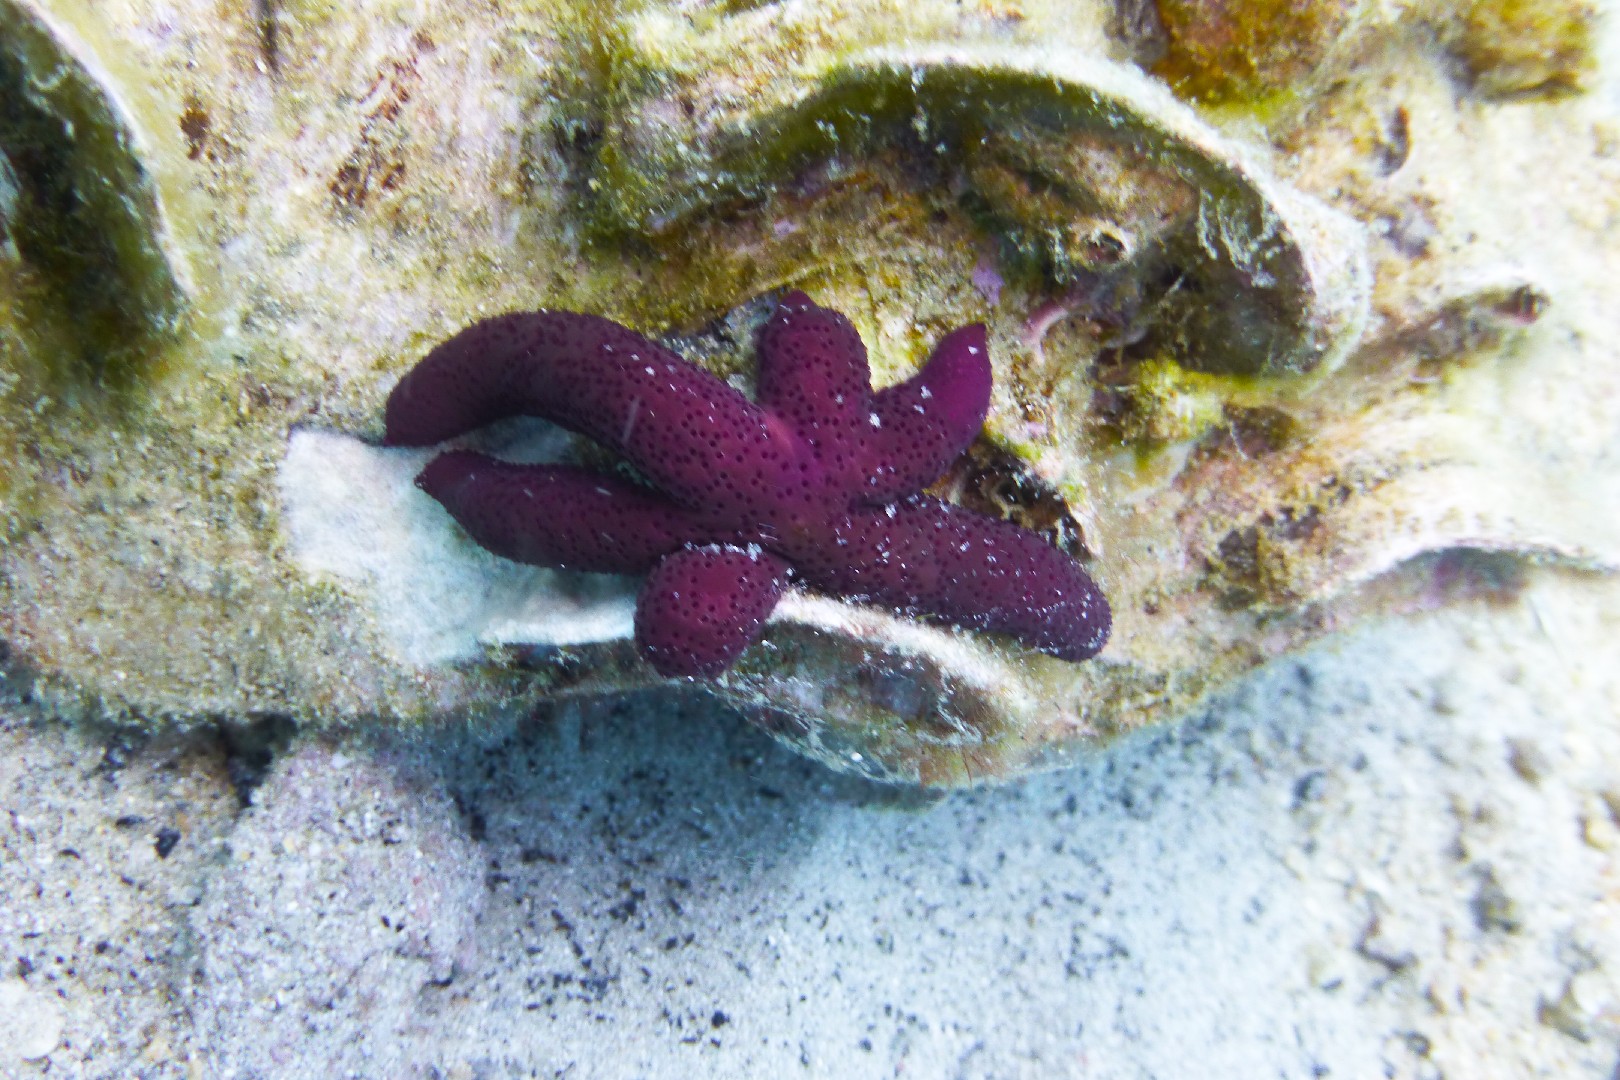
1166 403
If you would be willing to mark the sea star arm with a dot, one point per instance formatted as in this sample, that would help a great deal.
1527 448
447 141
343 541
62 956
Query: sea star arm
701 606
560 516
924 556
813 374
695 438
924 423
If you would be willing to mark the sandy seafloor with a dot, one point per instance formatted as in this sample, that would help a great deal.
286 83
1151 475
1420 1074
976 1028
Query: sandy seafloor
1392 856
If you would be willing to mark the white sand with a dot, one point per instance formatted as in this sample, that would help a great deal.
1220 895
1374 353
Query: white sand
1392 857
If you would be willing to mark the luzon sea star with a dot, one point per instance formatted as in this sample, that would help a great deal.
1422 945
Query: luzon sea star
818 481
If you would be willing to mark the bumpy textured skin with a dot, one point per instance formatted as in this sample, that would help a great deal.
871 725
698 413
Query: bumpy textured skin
701 606
817 482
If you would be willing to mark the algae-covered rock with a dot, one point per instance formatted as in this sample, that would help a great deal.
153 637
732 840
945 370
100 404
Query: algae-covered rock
1085 163
92 290
1342 347
84 227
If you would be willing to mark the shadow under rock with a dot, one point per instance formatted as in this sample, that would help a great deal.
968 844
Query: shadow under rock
622 827
645 783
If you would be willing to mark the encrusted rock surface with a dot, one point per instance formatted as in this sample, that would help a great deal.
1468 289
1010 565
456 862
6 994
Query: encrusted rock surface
1333 339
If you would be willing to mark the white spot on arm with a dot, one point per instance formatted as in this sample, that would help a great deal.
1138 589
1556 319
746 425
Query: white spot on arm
630 420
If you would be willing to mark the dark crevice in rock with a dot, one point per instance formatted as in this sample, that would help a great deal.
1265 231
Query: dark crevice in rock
251 747
16 677
992 481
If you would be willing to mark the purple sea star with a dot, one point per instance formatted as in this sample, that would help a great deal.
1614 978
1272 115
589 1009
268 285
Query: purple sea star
818 481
